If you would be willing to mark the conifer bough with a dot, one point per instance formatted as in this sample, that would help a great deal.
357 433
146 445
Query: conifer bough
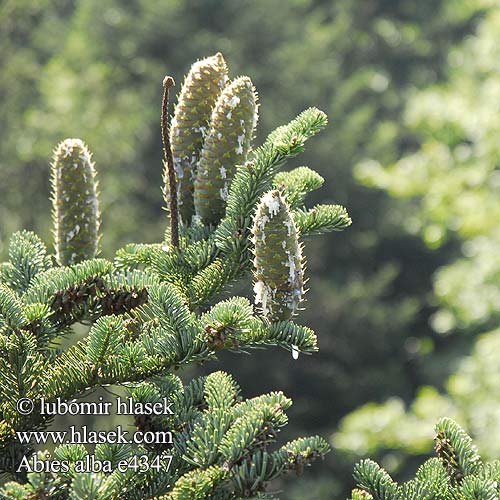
457 473
157 308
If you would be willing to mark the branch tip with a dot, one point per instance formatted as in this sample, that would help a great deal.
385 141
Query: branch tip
168 82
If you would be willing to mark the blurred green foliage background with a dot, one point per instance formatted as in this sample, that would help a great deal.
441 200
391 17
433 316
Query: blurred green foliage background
405 302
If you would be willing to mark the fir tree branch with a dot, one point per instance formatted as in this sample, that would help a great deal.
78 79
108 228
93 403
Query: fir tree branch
146 310
321 219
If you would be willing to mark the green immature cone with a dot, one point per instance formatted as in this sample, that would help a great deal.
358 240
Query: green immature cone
278 263
226 146
75 203
199 93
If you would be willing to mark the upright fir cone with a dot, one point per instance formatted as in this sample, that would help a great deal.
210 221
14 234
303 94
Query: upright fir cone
278 262
199 93
75 203
227 144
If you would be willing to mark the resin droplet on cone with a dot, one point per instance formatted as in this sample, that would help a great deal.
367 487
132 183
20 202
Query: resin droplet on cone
278 262
75 203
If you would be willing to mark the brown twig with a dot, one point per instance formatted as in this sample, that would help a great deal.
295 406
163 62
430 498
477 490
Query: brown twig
168 82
